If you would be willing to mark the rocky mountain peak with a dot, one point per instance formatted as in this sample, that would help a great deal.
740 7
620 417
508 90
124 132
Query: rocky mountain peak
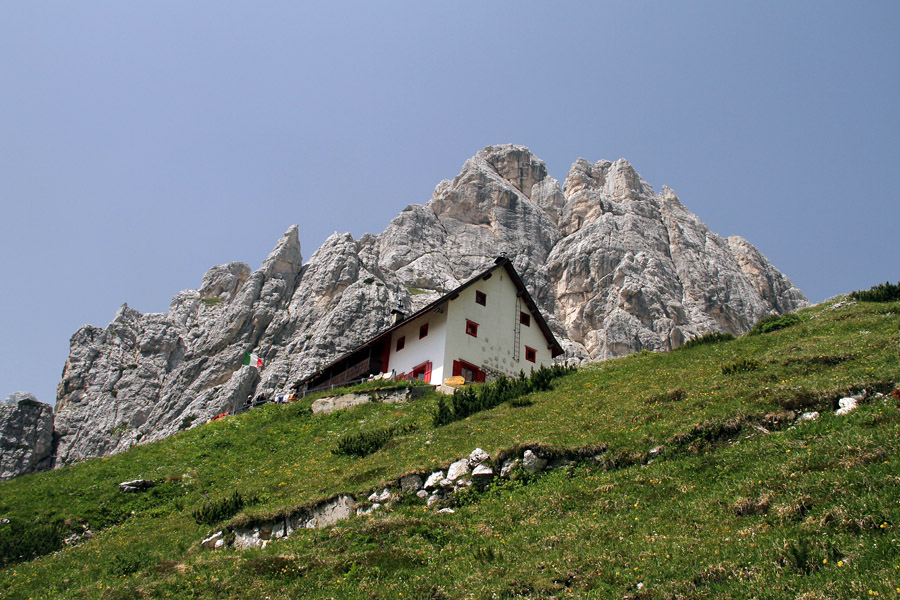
614 266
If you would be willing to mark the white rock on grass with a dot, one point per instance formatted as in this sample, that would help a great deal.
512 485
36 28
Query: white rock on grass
434 480
508 465
482 473
847 405
532 463
458 469
210 542
478 457
808 416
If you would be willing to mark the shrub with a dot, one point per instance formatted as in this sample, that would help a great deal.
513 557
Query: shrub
475 398
740 366
23 541
774 323
713 337
676 395
884 292
211 301
364 443
218 510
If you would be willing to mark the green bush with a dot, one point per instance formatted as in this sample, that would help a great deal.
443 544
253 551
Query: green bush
364 443
476 398
215 511
713 337
740 366
774 323
23 541
884 292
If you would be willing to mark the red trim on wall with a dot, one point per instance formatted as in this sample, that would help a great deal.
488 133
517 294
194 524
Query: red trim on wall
478 376
424 369
471 328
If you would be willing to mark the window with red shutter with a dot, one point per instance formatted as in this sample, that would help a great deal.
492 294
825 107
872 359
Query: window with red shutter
472 328
530 354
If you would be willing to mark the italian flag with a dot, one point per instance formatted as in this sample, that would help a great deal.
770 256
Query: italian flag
253 360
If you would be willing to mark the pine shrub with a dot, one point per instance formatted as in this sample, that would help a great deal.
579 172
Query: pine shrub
740 366
23 541
364 443
774 323
215 511
884 292
476 398
713 337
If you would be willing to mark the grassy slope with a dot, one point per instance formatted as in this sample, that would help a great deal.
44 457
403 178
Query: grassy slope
824 493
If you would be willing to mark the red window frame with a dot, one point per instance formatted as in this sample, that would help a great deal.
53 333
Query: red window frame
471 328
530 354
525 319
469 371
401 343
423 331
424 370
480 298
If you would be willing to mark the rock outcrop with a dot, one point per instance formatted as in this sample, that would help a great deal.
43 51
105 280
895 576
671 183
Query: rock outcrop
26 435
615 267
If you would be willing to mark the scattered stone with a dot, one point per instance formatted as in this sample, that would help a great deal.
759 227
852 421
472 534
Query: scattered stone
446 484
847 405
212 541
654 452
532 463
138 485
384 496
478 457
432 499
434 480
482 473
363 511
446 511
458 469
559 463
422 494
410 484
808 416
508 465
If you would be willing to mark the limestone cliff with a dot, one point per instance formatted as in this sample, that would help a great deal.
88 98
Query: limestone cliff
615 266
26 435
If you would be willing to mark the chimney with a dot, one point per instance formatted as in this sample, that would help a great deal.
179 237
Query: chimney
397 314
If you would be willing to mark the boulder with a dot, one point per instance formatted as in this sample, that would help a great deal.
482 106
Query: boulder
137 485
411 483
847 405
458 469
434 480
532 463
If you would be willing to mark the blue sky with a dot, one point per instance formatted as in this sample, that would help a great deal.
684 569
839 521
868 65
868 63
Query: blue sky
141 144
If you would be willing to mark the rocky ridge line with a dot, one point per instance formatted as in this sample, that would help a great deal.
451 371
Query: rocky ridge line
616 267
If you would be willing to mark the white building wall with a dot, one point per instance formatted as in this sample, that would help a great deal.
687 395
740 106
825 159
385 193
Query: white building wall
417 351
493 349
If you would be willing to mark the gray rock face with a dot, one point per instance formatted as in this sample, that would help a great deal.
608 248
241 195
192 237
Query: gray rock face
614 266
26 435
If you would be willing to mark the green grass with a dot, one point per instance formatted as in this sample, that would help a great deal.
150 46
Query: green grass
740 503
